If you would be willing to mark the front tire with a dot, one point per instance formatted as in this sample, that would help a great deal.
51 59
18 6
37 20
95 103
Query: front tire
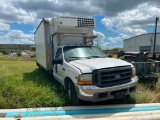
74 100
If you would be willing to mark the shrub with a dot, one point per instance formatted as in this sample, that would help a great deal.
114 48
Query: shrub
4 51
19 54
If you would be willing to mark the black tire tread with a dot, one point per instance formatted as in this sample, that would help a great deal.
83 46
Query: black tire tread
74 100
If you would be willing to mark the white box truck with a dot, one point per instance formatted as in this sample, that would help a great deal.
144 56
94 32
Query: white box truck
64 47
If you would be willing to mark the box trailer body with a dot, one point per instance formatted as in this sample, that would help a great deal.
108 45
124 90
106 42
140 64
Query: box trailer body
64 47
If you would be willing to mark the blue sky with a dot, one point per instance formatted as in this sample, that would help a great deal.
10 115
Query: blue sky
116 20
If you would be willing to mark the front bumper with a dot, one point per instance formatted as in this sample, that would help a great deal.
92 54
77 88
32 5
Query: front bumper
95 94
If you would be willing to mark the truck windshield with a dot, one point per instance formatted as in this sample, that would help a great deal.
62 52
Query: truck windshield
82 52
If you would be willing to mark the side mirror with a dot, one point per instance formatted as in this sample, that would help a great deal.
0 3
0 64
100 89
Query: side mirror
57 61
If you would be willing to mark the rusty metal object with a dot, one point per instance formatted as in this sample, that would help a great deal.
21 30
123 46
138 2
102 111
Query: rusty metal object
145 68
133 56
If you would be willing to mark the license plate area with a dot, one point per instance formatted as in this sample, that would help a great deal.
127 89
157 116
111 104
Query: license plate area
119 94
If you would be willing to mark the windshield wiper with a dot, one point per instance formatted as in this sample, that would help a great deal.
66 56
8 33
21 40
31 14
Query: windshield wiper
74 57
80 57
94 56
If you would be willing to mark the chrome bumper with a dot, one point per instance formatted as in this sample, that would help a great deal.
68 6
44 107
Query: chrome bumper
94 93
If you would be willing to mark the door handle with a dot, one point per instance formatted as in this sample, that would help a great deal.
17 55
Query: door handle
63 69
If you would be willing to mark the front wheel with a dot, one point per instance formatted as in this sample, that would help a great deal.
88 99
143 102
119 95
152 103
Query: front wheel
74 100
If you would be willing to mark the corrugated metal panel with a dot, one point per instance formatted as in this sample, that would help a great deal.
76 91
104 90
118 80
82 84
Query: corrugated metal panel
133 44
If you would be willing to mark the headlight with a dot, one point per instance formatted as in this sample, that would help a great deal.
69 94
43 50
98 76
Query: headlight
85 79
133 72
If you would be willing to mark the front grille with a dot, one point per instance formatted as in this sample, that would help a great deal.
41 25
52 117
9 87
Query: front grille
112 76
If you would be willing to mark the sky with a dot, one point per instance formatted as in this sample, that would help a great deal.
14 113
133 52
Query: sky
116 20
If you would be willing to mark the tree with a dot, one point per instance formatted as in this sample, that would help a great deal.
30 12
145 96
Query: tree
115 49
99 46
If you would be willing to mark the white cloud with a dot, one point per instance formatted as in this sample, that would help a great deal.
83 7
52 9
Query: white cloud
136 18
100 36
132 31
10 36
16 37
33 31
10 13
127 17
104 45
51 8
120 37
110 30
132 22
28 11
4 26
114 7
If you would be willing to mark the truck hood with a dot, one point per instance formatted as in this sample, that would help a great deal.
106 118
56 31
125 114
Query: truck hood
88 65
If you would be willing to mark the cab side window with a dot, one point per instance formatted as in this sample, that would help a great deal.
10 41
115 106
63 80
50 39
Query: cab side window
59 53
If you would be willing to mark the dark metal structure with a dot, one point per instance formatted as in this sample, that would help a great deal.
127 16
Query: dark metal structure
154 54
133 56
141 62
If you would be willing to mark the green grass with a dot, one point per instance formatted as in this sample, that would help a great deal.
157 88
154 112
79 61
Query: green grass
23 85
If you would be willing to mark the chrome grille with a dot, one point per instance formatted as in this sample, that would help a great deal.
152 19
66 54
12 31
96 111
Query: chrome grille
112 76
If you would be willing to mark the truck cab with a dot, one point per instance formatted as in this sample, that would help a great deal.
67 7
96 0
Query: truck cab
88 74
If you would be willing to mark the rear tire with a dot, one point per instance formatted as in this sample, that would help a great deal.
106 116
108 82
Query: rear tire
74 100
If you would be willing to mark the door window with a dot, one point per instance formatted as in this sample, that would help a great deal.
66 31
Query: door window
59 53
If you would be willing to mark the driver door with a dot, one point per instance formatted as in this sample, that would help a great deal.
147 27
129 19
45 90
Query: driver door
58 71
